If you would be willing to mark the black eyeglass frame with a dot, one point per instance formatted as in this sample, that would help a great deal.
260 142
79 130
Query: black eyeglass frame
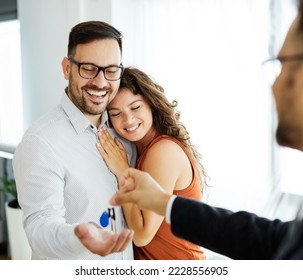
103 69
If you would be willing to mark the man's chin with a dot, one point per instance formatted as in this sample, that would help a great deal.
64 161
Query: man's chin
95 110
286 139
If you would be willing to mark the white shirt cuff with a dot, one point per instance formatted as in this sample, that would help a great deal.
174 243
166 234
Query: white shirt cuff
169 207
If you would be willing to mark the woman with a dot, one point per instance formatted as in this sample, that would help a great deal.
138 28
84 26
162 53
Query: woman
141 113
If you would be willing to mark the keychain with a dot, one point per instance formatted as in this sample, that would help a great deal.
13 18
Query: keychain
108 217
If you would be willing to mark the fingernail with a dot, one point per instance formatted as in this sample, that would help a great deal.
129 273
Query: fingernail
112 201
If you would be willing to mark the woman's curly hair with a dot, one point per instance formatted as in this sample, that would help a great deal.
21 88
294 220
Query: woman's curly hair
165 117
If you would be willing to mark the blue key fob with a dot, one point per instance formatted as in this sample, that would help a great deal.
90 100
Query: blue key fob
104 219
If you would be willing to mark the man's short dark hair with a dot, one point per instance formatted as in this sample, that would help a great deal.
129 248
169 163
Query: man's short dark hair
89 31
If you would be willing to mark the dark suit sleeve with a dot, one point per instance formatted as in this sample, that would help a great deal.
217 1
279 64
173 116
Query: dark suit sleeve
238 235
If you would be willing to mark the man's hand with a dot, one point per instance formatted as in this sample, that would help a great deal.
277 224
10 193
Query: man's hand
140 188
102 242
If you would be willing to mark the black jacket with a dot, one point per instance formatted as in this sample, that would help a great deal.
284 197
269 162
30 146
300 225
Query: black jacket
238 235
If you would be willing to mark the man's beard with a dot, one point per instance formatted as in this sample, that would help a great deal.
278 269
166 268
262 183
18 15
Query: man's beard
287 136
83 104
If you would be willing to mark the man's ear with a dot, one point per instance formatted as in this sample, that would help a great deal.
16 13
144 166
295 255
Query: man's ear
66 67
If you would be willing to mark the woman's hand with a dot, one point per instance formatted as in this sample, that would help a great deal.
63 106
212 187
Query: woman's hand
112 152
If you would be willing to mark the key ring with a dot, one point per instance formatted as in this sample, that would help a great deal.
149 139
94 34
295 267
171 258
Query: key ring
108 218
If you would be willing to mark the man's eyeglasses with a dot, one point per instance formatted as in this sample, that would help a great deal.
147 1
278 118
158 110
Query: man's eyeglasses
273 66
91 71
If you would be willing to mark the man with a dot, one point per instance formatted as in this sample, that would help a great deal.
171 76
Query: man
62 182
239 235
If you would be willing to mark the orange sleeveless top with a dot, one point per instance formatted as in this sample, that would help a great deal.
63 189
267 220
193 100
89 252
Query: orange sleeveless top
164 245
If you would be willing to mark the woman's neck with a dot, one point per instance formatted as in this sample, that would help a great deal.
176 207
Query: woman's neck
146 140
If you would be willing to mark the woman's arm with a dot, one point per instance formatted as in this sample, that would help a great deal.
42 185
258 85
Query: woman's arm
165 162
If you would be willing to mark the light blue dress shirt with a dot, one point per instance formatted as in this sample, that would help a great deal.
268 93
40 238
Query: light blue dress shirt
62 181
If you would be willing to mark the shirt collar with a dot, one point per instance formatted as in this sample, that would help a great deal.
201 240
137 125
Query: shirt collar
77 118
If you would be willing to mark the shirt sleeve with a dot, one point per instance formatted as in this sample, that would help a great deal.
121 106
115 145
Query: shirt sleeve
40 187
168 208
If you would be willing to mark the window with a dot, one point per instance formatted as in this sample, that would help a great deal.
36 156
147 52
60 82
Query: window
10 83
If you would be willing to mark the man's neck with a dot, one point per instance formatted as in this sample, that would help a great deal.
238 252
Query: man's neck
94 119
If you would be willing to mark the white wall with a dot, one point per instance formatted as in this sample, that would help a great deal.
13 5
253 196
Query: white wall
43 27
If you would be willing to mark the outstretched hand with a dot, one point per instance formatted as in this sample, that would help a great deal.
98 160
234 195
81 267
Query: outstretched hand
140 188
103 242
